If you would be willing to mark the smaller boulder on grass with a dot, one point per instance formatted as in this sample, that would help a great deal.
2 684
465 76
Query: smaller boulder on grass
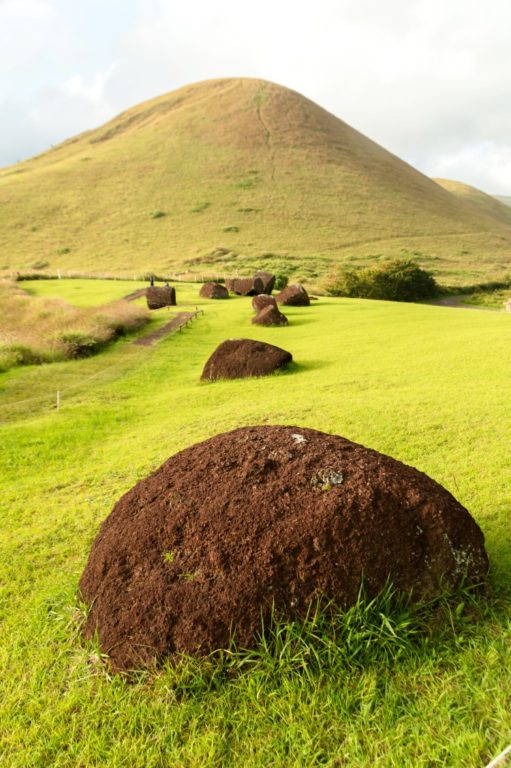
214 290
294 296
270 316
262 301
241 358
161 296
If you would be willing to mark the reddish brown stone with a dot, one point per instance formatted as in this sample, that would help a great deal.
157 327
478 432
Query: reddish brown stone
262 301
239 358
214 291
267 279
294 296
260 517
161 296
270 316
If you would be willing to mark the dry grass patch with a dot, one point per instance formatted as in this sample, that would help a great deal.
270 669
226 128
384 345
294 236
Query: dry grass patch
35 330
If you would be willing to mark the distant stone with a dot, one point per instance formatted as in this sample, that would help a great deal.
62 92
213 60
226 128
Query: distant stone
245 286
294 296
262 301
214 291
161 296
268 281
270 315
240 358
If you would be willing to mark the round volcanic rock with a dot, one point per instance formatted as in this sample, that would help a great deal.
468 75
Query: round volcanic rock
270 316
262 301
160 296
294 296
214 291
264 516
239 358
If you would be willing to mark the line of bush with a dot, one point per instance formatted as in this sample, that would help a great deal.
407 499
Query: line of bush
397 280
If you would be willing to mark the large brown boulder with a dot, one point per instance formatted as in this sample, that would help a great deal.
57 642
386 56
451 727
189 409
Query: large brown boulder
245 286
161 296
270 316
265 518
268 281
294 296
239 358
262 301
214 291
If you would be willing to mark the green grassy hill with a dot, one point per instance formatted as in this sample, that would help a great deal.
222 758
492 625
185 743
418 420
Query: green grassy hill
229 174
425 384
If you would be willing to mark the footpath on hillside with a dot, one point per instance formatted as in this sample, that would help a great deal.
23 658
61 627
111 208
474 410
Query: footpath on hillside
177 322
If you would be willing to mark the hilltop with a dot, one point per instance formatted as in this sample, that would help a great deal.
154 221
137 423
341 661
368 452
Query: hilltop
227 174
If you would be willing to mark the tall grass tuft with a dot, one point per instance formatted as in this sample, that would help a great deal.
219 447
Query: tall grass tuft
35 330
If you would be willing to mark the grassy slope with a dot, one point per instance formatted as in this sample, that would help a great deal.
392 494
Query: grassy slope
505 199
292 179
425 384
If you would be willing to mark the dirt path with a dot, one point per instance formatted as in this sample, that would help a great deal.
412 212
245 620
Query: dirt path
135 295
457 303
175 324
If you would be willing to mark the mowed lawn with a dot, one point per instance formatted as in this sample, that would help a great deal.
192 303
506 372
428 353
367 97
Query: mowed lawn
427 385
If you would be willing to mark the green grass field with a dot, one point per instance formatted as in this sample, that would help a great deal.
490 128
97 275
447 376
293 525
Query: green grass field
428 385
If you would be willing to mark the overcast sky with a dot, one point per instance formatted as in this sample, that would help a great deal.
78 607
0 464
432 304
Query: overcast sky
428 79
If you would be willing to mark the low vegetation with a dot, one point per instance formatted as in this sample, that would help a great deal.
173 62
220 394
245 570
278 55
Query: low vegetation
422 383
398 280
36 330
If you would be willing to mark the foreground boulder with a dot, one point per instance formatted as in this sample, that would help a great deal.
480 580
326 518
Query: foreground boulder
160 296
262 301
294 296
214 291
270 316
262 516
239 358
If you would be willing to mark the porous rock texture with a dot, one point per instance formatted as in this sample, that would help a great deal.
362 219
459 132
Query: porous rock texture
204 546
262 301
245 286
214 291
270 316
239 358
161 296
267 279
294 296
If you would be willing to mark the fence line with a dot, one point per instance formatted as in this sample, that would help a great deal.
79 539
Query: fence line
500 759
56 395
144 277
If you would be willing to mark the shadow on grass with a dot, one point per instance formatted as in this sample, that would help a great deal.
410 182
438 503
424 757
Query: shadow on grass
305 367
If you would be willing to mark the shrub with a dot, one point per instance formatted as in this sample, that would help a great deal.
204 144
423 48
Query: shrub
392 281
77 344
280 282
157 214
198 207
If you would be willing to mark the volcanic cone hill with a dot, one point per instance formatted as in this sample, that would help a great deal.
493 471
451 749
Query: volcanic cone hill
261 517
234 166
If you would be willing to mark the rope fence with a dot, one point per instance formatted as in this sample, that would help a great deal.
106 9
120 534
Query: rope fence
55 396
501 759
